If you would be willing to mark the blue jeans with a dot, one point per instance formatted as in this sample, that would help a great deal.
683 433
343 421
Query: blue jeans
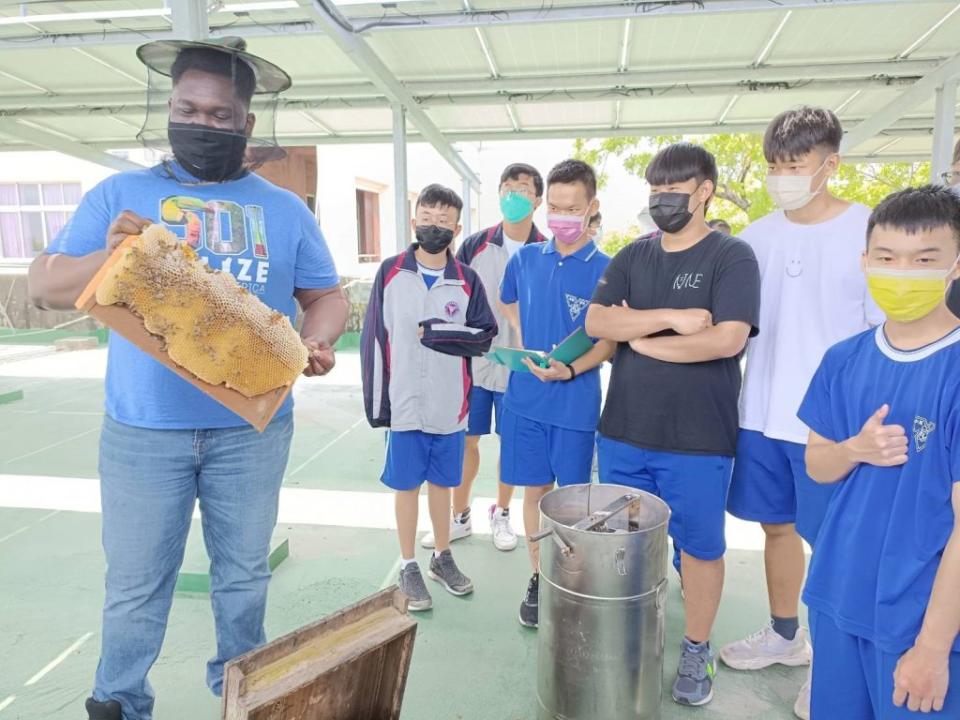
149 482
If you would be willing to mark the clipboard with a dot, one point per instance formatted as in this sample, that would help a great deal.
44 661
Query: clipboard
258 410
574 346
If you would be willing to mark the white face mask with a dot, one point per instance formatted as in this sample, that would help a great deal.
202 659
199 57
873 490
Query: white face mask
792 192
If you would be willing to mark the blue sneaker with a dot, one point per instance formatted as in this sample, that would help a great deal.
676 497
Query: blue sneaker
695 674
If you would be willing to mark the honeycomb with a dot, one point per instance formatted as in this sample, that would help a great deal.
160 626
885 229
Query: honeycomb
210 326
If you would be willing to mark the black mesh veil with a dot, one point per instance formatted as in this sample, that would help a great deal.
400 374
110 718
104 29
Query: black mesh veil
204 93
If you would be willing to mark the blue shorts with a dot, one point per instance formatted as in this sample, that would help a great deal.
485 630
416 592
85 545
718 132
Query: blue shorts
484 406
415 457
535 454
770 485
852 678
694 486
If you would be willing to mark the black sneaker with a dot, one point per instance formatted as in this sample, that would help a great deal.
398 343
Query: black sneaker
530 607
109 710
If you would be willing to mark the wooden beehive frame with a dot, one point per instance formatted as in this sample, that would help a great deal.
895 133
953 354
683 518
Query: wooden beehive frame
258 410
349 666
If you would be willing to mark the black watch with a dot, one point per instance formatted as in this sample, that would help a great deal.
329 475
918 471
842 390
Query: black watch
573 373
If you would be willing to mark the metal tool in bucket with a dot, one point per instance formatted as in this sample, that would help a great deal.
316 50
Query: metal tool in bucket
602 603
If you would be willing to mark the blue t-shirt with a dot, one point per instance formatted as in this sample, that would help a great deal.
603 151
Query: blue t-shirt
262 234
554 292
886 528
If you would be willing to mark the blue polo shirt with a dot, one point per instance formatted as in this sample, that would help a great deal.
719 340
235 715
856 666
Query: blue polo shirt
886 528
262 234
554 292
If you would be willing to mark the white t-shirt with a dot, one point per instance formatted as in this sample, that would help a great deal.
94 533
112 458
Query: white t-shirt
813 295
512 245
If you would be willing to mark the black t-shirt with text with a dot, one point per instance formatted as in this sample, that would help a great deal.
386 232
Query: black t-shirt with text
688 408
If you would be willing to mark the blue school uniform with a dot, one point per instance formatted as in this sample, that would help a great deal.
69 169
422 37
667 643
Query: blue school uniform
880 545
553 292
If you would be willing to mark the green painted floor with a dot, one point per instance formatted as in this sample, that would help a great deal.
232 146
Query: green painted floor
472 660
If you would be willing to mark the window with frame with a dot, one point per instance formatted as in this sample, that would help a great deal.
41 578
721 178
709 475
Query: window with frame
368 226
31 215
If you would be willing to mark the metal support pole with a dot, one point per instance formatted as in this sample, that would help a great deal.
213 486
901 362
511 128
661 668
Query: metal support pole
466 217
944 120
401 200
189 19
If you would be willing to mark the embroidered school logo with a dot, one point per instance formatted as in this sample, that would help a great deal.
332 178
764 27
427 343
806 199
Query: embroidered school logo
575 305
922 428
451 308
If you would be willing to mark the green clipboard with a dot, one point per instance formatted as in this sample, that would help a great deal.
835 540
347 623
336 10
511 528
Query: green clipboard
577 344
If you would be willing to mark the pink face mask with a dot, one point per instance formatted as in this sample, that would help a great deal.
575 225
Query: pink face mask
567 228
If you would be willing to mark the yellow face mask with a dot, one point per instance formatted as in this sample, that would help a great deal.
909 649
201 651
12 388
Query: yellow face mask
908 295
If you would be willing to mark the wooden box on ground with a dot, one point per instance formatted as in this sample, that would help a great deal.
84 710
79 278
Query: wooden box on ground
349 666
258 410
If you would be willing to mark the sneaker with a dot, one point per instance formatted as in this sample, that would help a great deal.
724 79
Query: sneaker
413 586
445 571
801 708
767 647
109 710
504 538
458 531
530 607
695 674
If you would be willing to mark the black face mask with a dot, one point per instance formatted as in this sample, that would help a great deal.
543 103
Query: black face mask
206 152
670 211
434 239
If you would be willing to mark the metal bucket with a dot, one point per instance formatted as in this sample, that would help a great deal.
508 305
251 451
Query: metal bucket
603 565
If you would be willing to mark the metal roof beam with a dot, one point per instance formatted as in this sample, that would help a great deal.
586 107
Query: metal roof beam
36 138
635 9
735 79
362 55
132 104
919 127
50 39
919 92
501 17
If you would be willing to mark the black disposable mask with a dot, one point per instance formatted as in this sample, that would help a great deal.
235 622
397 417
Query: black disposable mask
208 153
670 211
433 238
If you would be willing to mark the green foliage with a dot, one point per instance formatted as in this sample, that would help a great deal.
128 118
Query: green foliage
741 196
614 241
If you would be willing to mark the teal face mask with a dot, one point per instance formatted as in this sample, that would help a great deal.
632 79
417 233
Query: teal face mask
515 207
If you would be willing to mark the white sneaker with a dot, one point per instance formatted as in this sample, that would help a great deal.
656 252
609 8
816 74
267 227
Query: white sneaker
504 538
458 531
801 708
765 648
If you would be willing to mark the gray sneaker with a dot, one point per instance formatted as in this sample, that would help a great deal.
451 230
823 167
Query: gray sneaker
694 683
445 571
413 586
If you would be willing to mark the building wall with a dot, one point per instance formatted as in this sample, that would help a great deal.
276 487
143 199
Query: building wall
343 169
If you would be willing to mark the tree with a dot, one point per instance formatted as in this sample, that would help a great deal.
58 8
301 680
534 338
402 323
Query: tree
741 196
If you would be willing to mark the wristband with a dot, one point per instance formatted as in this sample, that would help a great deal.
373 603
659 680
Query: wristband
573 373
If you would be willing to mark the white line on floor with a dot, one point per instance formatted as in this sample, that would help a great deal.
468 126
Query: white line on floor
57 412
24 529
53 445
59 659
302 506
15 533
391 577
322 450
7 703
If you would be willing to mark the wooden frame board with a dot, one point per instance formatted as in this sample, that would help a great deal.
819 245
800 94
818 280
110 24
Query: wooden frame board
258 410
351 665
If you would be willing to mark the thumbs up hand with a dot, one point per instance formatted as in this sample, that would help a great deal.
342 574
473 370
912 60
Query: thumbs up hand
879 444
